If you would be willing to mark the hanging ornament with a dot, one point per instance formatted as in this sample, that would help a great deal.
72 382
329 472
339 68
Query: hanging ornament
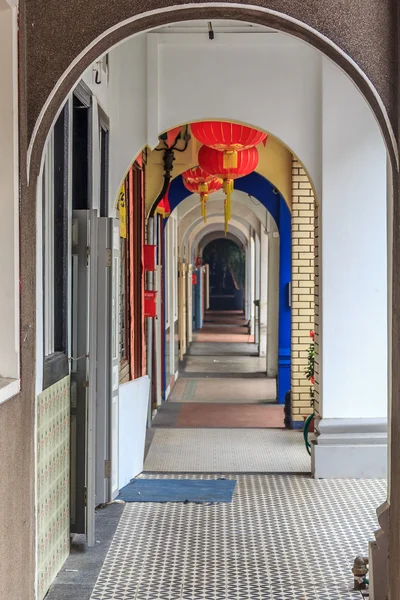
198 181
163 207
229 138
212 162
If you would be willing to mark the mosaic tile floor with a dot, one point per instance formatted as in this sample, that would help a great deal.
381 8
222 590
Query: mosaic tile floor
208 365
239 415
227 450
224 390
284 537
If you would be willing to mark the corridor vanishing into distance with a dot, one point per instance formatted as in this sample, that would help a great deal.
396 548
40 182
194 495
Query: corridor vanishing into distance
284 535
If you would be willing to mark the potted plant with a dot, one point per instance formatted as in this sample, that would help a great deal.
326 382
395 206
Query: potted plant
309 373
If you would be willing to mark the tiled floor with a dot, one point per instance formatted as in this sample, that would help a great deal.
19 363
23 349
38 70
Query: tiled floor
222 336
284 537
238 365
208 390
212 415
224 415
227 450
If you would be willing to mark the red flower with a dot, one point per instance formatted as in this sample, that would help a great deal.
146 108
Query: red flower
312 334
312 380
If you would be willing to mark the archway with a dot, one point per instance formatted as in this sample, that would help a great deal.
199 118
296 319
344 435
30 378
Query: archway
257 186
27 277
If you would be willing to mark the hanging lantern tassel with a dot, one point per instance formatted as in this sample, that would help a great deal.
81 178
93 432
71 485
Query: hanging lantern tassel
203 189
226 216
204 199
230 159
228 189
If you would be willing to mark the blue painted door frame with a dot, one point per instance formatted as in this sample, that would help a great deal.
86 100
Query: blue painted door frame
260 188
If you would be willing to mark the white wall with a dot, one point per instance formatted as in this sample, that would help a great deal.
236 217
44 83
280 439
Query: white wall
273 300
354 254
171 262
133 404
147 94
264 275
9 200
269 80
124 100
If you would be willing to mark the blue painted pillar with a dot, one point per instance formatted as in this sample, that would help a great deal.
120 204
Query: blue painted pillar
285 325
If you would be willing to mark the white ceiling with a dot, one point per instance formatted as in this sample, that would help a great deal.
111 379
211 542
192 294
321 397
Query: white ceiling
219 26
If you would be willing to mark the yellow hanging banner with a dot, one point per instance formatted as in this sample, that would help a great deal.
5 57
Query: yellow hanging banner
122 212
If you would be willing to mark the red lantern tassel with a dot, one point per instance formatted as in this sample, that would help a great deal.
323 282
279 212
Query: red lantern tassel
230 159
204 201
228 188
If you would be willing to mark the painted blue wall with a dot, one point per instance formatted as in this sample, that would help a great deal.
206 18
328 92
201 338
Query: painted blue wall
260 188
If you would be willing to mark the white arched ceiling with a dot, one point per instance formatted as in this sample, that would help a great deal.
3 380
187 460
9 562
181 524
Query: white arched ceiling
242 209
217 230
199 226
192 202
217 234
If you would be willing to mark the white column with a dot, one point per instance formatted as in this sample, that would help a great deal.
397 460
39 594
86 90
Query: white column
158 337
273 302
252 283
257 271
263 315
247 290
189 306
171 296
353 287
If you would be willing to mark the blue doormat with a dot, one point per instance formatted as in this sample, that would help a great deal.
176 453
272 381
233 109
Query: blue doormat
178 490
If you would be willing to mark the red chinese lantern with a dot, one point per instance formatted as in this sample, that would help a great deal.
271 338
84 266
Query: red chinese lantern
163 207
212 161
229 138
198 181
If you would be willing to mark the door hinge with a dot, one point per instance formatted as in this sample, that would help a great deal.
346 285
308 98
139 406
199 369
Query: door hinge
108 257
87 255
107 468
85 496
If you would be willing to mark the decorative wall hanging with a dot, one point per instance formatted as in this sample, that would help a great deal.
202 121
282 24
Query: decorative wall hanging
229 138
212 161
198 181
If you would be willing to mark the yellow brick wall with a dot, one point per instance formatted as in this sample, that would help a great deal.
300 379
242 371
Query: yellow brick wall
316 314
303 251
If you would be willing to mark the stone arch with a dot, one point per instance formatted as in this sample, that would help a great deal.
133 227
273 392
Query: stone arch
49 94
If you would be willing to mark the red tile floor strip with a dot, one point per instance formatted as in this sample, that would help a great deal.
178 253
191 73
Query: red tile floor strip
230 415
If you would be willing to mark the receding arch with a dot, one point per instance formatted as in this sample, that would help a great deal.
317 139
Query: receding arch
260 188
216 234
